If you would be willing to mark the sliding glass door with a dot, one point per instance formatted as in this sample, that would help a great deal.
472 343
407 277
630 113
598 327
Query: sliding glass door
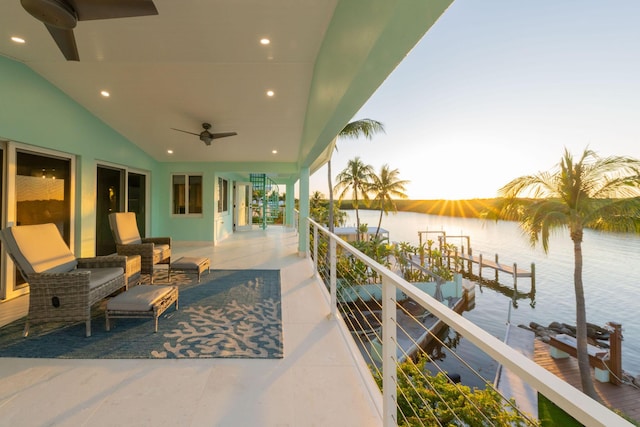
112 191
137 199
43 193
109 198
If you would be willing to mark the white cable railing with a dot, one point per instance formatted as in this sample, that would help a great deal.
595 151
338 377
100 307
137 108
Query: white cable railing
396 324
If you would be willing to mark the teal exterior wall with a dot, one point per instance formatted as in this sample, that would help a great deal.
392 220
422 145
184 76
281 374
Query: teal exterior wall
188 227
36 113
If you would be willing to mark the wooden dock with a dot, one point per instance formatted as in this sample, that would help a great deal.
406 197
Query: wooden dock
511 269
467 257
624 397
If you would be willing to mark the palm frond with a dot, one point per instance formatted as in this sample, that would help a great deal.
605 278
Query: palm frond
361 128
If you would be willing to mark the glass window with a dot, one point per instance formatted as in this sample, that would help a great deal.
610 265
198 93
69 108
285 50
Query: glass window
195 194
187 194
223 195
43 193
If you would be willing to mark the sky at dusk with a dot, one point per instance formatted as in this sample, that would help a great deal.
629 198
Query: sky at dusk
498 88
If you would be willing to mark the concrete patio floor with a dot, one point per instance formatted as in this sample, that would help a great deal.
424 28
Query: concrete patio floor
317 383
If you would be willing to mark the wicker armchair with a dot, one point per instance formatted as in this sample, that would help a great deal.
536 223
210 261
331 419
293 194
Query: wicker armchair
62 288
152 250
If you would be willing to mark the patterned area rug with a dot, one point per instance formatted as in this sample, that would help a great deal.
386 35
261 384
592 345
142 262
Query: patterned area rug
231 314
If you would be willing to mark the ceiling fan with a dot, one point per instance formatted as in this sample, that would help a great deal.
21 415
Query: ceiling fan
61 16
206 136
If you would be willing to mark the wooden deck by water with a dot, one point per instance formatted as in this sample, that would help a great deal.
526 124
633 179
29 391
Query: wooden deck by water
625 398
482 262
512 269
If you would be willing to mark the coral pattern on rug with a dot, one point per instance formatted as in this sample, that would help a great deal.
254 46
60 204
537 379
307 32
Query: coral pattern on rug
231 314
236 330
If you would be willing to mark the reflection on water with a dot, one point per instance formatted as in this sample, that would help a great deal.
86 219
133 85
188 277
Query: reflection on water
477 368
611 274
509 291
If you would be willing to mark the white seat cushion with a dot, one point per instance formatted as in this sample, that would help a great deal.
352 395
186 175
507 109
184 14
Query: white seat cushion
139 298
100 276
191 263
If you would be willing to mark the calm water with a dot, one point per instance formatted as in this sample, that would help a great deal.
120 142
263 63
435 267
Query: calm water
611 274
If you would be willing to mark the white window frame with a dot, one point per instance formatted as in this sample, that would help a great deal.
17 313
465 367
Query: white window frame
11 148
186 177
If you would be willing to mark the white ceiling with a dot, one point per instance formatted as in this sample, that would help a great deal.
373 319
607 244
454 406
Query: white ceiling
196 61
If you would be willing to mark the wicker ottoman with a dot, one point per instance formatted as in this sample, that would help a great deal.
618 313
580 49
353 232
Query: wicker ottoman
142 301
194 265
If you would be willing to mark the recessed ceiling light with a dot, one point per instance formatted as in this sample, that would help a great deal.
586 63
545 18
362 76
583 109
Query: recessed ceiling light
274 151
17 39
270 93
105 93
265 41
169 151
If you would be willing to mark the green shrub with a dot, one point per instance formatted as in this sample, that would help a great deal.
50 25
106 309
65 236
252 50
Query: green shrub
434 400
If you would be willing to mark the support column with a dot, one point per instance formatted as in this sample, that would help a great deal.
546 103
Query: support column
303 232
289 205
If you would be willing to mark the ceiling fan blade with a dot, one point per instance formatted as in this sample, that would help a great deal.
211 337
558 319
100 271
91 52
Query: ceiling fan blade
191 133
66 42
88 10
222 135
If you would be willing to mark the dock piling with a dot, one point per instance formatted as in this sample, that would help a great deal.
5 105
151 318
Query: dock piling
471 259
533 277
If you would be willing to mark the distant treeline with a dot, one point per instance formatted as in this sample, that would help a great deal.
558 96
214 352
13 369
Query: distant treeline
472 208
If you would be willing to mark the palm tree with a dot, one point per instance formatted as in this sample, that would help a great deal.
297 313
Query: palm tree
353 130
386 186
356 178
317 209
594 192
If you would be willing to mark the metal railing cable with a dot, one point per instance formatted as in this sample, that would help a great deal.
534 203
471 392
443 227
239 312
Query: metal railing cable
409 358
474 371
364 324
347 274
422 353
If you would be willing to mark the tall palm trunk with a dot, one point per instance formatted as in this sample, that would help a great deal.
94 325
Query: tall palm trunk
330 216
581 319
379 221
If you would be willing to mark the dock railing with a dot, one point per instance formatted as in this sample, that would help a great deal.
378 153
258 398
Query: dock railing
376 321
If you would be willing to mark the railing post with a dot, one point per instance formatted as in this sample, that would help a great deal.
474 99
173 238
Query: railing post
315 248
333 275
389 356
